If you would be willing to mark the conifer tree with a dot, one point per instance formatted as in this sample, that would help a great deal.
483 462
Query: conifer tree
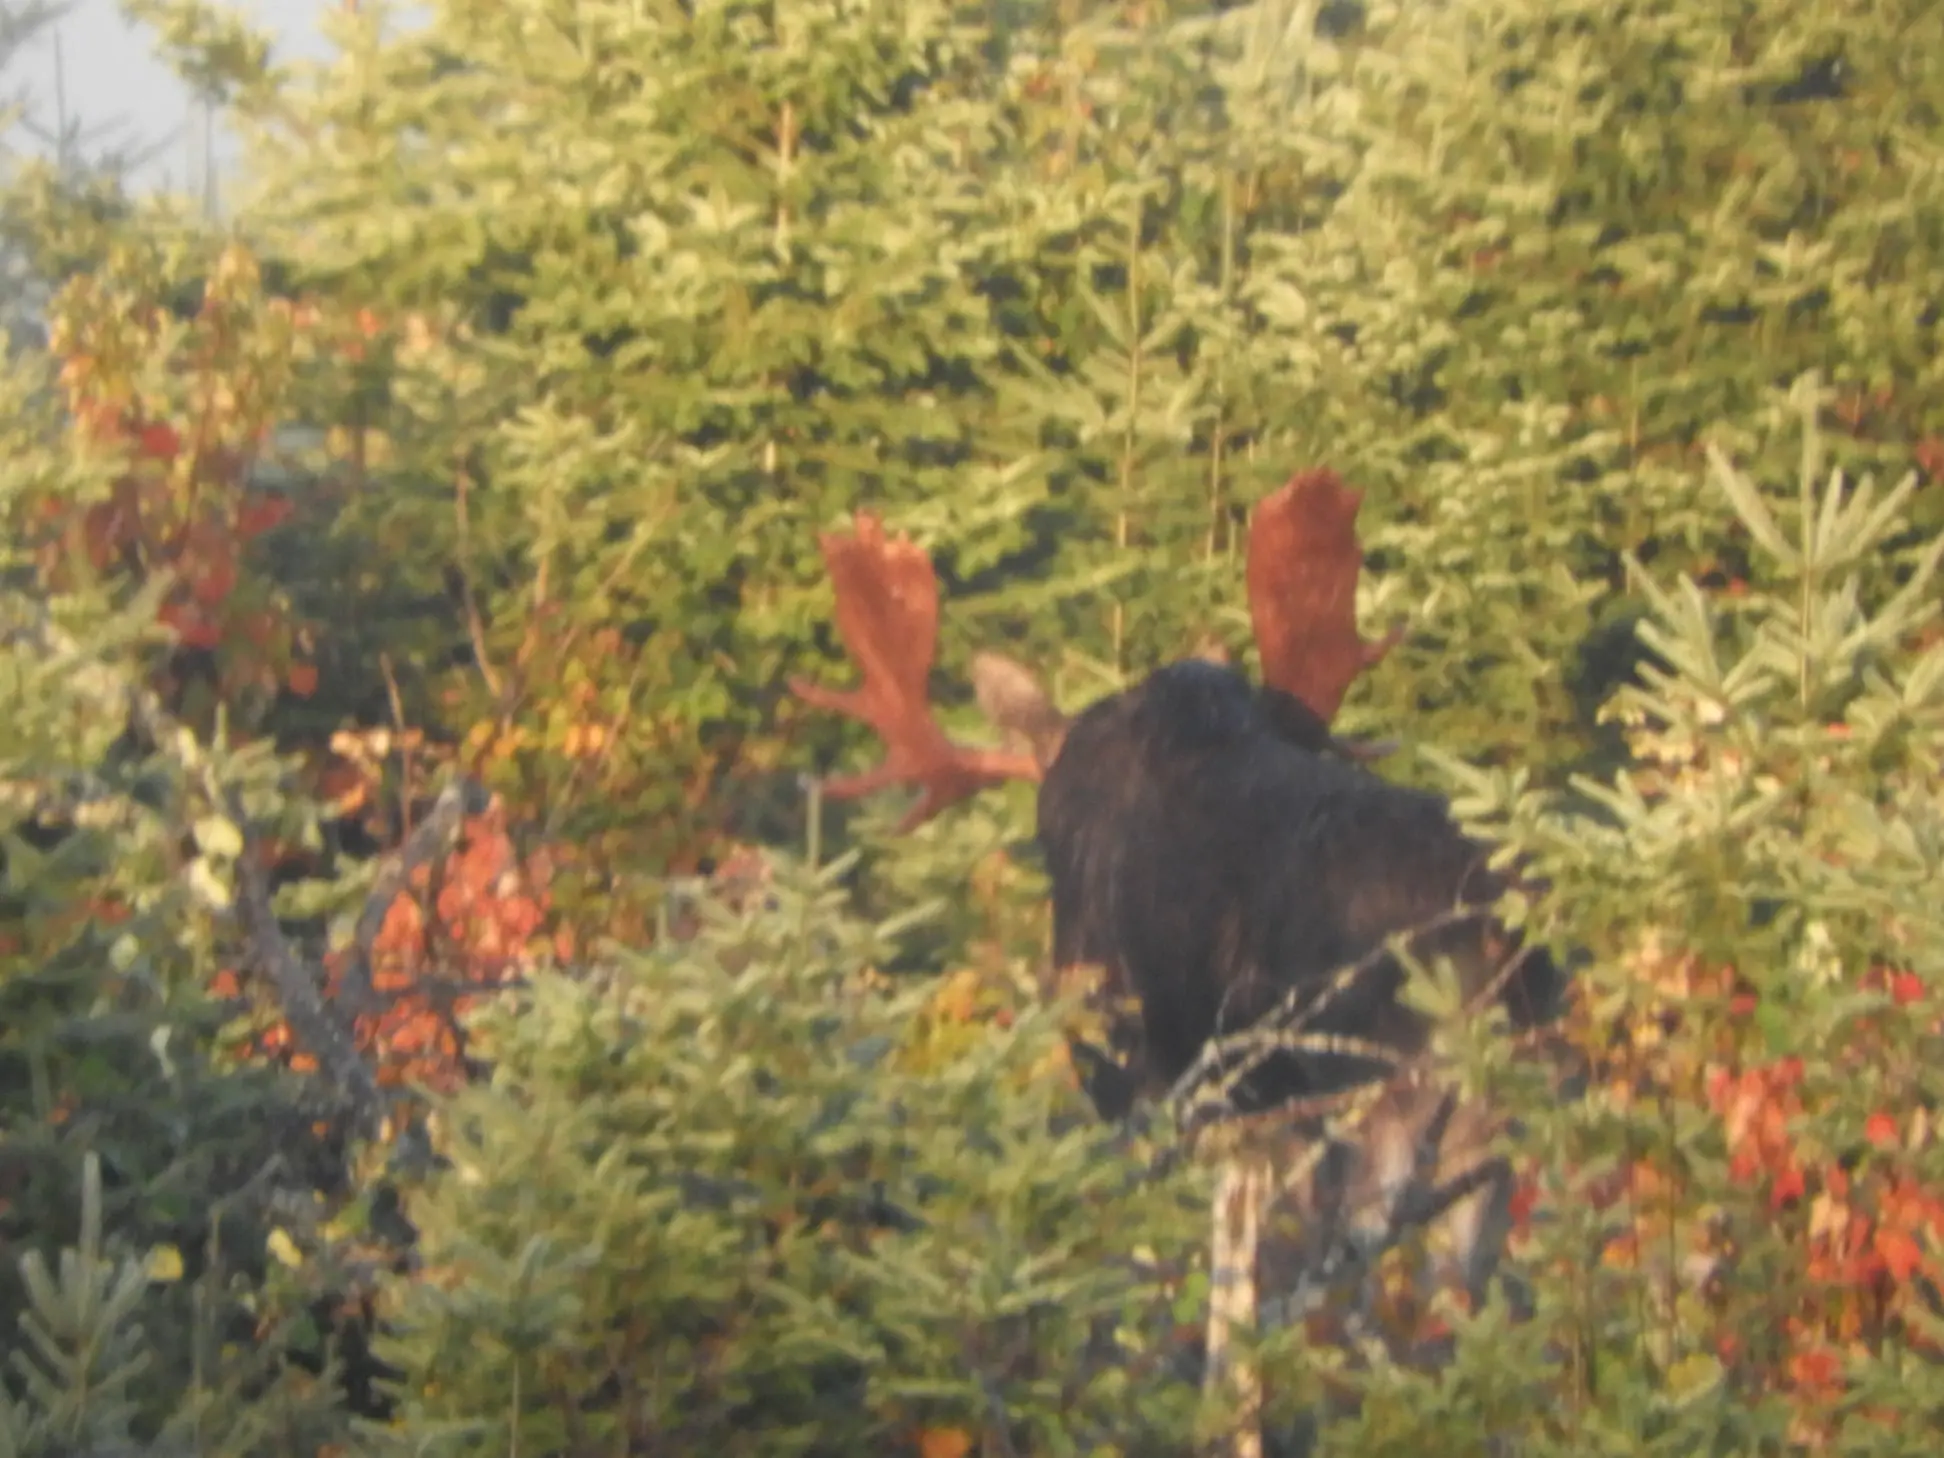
1574 243
122 1114
714 1199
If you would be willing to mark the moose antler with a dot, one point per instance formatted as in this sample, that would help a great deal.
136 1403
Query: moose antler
1303 564
887 615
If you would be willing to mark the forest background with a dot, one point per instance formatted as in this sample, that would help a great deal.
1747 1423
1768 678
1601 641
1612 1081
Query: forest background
436 1015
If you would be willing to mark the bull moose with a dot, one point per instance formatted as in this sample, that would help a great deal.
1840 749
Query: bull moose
1223 859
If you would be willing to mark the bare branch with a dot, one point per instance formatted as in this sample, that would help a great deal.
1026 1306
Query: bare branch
434 838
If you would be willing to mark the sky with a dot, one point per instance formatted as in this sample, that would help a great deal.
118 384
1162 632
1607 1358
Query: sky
112 79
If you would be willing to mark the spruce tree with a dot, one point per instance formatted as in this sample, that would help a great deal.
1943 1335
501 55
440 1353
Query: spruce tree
719 1198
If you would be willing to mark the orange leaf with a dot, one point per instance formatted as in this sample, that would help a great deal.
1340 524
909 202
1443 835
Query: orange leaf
958 1000
1814 1370
944 1443
1881 1130
302 678
1901 1255
1930 456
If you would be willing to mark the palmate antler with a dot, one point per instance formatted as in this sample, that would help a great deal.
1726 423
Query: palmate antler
1304 560
1303 565
887 615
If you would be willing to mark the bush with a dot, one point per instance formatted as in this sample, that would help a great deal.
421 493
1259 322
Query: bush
117 831
1735 1235
721 1197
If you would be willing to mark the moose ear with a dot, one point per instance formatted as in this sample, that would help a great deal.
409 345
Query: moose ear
1295 722
1014 701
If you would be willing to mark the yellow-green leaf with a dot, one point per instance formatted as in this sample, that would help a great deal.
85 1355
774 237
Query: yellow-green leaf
164 1264
284 1248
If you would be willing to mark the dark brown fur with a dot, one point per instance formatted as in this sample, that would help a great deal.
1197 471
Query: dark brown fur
1211 851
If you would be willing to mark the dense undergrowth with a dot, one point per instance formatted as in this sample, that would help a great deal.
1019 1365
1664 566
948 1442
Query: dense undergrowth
434 1015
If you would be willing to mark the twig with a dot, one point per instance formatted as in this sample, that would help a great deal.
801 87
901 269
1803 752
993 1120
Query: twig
998 1423
562 649
1226 1062
644 533
299 988
397 702
611 736
475 628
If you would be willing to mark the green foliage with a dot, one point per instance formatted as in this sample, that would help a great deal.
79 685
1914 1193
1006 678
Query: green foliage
625 301
669 330
710 1200
114 905
87 1366
1573 242
1781 820
658 294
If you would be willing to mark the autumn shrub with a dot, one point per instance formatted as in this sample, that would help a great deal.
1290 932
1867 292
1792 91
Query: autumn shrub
130 1136
1732 1241
153 805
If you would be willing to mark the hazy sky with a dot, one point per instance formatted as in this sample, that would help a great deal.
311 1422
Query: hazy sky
111 77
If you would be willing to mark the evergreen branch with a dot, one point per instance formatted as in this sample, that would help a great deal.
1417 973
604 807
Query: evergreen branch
299 987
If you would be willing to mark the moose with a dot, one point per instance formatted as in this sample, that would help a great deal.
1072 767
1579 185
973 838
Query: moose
1225 862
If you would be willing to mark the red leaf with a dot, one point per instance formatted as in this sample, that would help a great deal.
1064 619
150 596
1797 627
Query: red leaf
195 630
157 442
259 515
214 582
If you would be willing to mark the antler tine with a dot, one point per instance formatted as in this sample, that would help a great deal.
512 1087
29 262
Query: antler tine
1303 564
887 615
